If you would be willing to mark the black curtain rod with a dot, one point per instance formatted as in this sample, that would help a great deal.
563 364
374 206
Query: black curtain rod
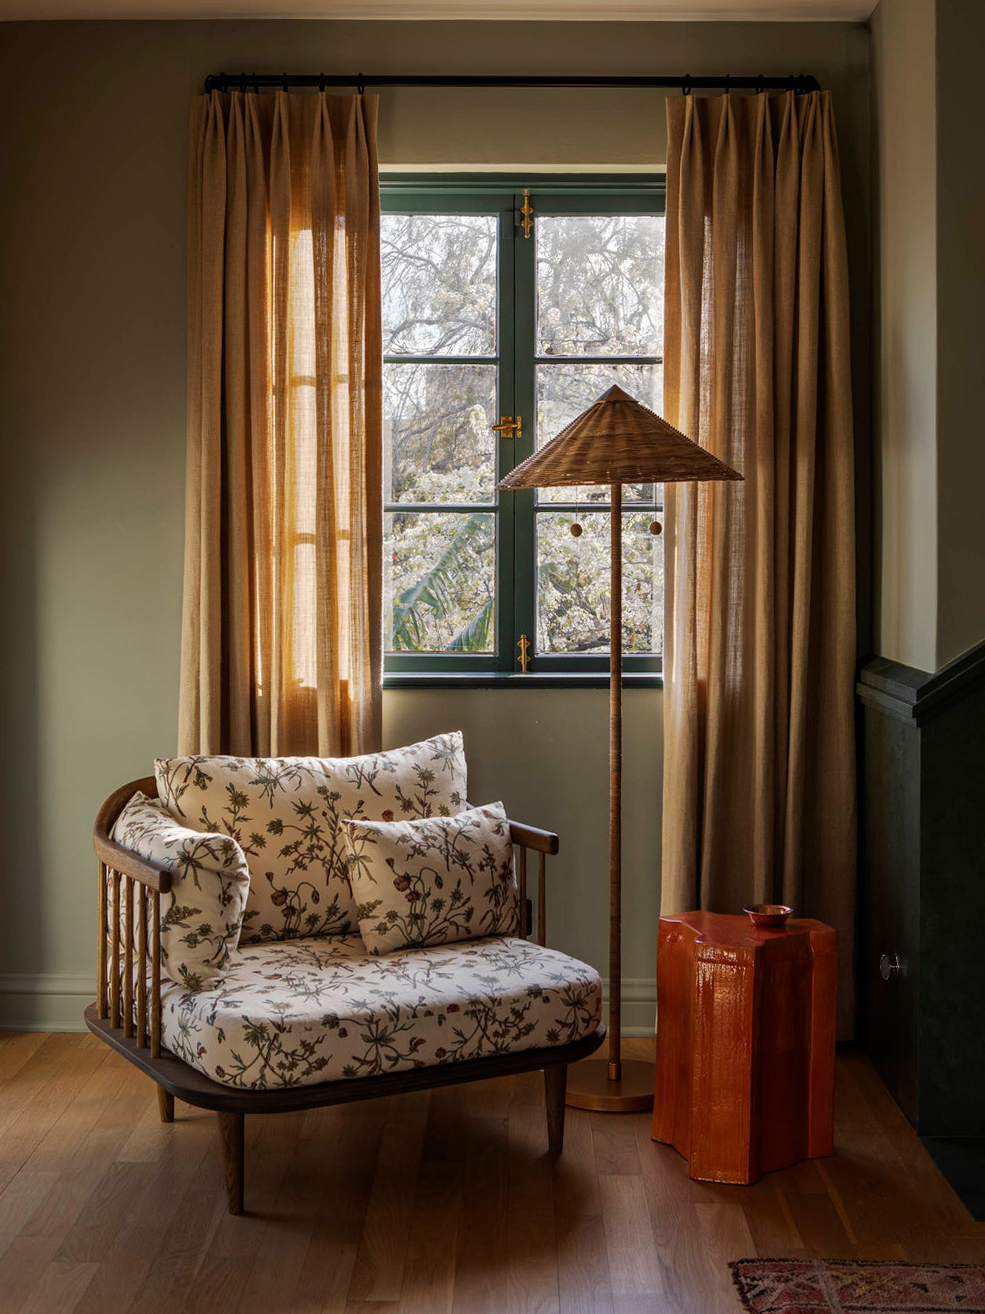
800 82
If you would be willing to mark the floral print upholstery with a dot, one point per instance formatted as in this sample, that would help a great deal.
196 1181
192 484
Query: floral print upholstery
434 880
286 815
305 1011
202 914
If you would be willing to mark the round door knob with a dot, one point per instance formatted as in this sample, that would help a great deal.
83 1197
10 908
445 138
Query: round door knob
890 967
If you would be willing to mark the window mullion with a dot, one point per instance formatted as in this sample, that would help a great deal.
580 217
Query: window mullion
524 499
505 543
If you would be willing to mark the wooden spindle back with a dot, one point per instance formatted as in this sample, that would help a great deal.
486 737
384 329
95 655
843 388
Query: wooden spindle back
128 948
542 843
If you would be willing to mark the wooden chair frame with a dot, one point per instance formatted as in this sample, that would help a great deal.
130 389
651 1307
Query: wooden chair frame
127 1016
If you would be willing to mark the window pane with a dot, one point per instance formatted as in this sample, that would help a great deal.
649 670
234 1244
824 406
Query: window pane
439 579
437 442
564 391
573 584
599 285
439 284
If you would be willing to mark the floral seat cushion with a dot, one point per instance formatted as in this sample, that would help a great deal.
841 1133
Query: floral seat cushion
300 1012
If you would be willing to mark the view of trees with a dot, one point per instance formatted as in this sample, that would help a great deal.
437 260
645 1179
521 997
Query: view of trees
439 284
598 294
573 584
599 285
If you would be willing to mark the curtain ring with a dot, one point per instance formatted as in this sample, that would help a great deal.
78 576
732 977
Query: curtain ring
242 82
360 84
686 85
284 81
321 83
256 85
728 83
760 85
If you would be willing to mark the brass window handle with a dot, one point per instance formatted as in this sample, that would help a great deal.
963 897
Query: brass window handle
509 427
526 213
523 643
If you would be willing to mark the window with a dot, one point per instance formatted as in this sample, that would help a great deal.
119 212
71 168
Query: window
482 325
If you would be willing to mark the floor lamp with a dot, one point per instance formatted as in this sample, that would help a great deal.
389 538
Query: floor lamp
616 441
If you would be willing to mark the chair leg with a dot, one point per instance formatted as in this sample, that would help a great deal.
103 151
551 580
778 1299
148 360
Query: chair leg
165 1104
231 1134
555 1084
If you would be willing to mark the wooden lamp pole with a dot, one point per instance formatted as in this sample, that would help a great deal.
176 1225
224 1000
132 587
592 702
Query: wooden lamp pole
615 784
615 1086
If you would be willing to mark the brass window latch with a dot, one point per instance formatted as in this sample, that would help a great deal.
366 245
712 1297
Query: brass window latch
523 643
509 427
526 213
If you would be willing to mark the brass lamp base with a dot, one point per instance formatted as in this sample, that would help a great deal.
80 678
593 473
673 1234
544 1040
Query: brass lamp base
589 1086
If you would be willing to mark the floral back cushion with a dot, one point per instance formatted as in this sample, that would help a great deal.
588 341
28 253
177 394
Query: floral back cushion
202 915
433 881
286 814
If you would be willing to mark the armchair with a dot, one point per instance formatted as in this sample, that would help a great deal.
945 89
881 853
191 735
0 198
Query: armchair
148 1018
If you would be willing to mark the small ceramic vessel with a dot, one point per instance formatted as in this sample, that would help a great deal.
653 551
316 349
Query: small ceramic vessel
768 914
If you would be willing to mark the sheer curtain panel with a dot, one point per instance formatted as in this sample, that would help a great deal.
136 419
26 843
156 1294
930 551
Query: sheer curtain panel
759 756
281 642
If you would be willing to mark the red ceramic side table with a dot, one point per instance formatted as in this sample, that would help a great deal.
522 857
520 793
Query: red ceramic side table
745 1043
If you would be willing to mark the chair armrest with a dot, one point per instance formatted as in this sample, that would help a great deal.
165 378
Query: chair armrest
148 873
529 837
114 855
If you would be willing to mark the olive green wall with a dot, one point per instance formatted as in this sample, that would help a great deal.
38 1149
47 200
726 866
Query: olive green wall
961 296
904 79
930 268
92 341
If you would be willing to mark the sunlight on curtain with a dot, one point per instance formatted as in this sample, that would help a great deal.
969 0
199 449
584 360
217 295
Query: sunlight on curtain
281 639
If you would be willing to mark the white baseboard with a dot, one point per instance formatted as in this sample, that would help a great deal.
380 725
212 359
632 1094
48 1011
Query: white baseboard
56 1001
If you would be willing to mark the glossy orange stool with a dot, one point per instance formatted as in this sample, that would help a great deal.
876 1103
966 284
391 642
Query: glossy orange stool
745 1043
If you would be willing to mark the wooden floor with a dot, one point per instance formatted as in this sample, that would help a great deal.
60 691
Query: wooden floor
436 1203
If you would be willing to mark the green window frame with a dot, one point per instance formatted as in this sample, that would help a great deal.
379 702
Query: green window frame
516 362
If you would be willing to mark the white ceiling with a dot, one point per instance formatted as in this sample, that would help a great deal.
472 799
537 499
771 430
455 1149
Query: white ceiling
606 10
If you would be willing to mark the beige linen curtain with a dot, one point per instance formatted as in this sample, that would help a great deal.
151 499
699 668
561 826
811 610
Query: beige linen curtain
759 761
281 644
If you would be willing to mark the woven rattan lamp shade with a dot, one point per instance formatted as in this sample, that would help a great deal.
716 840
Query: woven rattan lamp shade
618 440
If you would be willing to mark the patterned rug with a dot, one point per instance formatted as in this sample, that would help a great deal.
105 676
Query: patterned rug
835 1286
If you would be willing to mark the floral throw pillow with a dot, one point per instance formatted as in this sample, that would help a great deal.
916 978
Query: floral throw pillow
202 915
286 815
433 881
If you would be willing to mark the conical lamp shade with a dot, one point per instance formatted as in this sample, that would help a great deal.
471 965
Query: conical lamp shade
618 440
